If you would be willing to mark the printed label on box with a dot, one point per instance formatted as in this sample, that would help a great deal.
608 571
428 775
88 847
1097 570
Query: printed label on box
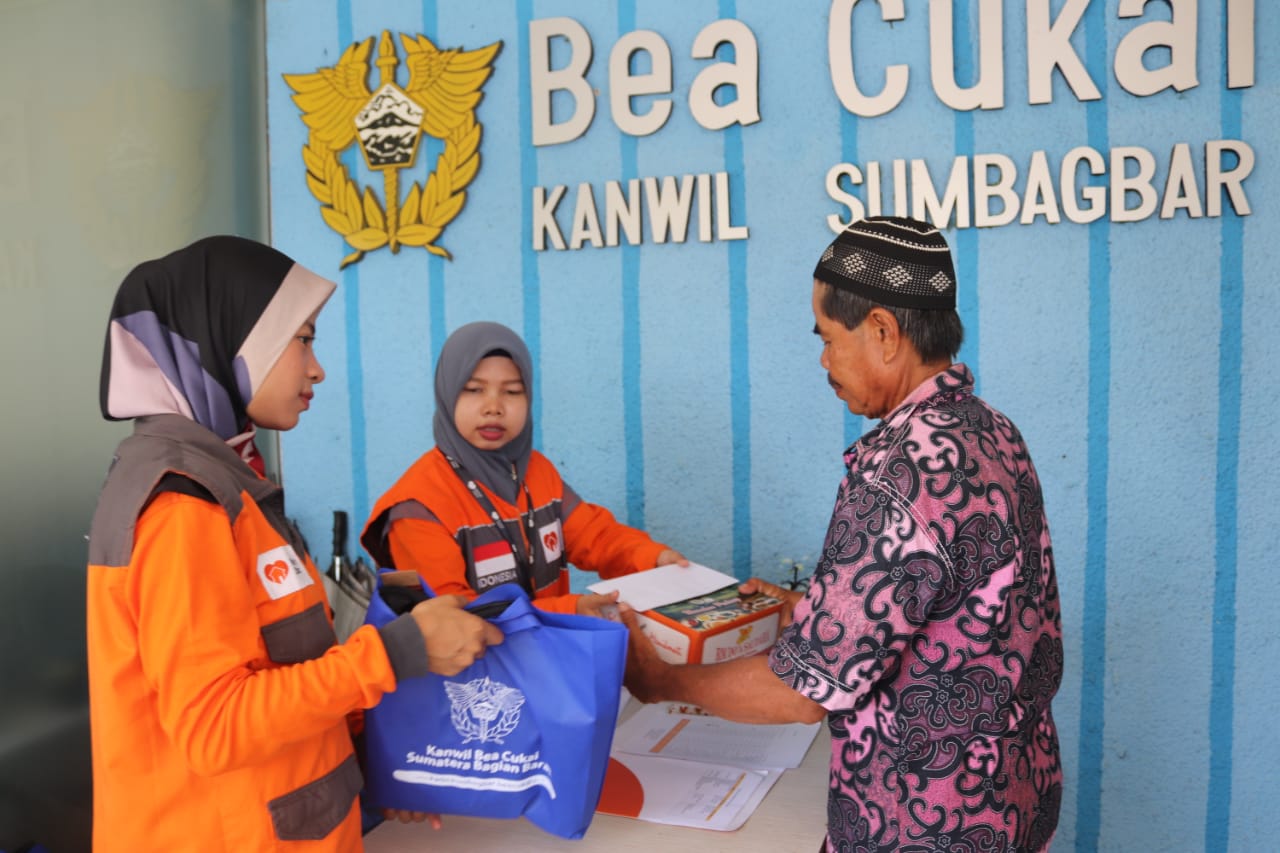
712 628
672 645
741 641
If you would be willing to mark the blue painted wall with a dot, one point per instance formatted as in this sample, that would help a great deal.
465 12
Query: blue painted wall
678 383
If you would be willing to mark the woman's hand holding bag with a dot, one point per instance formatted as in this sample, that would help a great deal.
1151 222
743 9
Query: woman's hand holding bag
454 637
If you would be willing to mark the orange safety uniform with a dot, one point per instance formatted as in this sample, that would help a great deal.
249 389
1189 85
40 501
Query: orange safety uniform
430 522
219 696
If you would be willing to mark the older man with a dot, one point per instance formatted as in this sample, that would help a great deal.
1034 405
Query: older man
929 636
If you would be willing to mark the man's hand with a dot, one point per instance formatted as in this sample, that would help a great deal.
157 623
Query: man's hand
646 672
669 556
789 597
454 637
744 690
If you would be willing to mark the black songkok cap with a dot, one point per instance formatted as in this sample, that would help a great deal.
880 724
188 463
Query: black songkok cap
891 261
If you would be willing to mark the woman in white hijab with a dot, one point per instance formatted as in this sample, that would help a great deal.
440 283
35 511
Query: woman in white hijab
219 697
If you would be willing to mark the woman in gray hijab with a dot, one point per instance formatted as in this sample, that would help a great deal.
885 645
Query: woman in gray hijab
483 507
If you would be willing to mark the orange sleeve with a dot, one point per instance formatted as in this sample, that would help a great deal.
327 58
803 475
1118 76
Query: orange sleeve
427 548
596 541
200 647
558 603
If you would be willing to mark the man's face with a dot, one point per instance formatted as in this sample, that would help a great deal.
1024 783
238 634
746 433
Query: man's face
853 360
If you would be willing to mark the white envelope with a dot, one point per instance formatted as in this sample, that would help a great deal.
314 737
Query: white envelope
665 585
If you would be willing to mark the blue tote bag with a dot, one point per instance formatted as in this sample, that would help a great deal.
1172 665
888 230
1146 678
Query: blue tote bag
525 730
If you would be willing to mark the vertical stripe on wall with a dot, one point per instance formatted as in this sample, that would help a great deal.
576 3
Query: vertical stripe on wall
1217 826
355 391
632 396
965 250
1094 631
739 346
528 180
854 425
435 263
435 309
351 317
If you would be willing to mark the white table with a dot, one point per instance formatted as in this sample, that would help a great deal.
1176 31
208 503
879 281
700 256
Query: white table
792 817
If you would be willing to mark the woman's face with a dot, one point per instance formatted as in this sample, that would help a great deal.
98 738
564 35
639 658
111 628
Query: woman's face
493 405
287 391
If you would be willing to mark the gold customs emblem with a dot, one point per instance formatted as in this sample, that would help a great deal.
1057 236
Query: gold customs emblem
439 100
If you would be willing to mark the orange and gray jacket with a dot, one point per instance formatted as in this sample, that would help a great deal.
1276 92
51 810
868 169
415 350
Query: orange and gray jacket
430 522
219 698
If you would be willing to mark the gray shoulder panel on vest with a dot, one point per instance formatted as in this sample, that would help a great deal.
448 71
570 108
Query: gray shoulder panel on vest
410 509
157 447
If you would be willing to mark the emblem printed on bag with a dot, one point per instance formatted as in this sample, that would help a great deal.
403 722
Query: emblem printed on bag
439 99
282 572
484 710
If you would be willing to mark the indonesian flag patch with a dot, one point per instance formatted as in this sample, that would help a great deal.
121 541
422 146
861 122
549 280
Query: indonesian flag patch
494 564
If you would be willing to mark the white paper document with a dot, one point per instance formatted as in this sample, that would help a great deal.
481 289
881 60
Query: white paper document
665 585
660 730
684 793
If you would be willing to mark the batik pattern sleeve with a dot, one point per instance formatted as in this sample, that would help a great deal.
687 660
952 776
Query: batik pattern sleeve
870 594
200 645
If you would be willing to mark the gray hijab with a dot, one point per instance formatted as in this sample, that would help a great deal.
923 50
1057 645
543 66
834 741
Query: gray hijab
458 359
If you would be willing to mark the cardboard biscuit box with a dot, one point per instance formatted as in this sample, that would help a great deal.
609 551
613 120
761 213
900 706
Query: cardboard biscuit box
713 628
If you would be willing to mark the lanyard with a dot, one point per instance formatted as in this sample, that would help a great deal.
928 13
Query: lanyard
523 554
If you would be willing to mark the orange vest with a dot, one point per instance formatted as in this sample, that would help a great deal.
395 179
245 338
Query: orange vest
218 695
430 522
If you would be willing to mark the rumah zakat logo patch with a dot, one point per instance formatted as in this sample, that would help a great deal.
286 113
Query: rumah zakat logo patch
440 98
282 572
552 540
484 710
